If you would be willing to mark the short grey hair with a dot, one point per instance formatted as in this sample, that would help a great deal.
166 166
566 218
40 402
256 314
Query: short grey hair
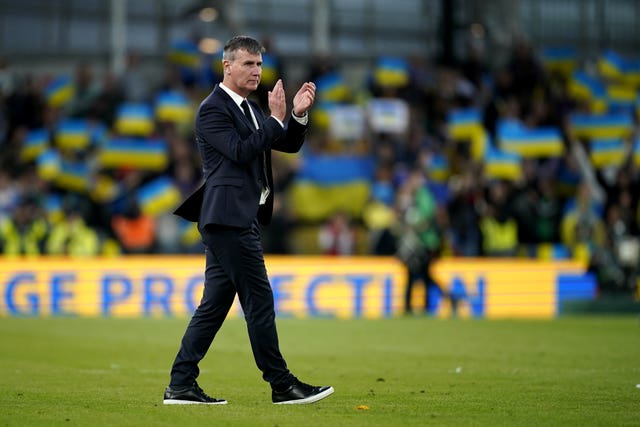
237 43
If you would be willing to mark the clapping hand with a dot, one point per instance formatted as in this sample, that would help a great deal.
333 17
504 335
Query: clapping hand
304 98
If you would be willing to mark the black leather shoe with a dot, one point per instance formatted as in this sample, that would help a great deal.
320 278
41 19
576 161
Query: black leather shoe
189 395
300 393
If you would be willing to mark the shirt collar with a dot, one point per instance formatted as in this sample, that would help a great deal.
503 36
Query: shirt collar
236 98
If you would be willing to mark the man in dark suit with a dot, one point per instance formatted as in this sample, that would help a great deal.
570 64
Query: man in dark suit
235 140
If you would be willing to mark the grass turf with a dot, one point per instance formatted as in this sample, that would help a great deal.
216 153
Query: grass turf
405 371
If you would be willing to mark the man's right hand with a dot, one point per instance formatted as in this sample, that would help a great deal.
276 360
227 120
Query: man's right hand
277 101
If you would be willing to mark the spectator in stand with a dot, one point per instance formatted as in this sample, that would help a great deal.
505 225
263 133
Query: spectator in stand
582 227
86 90
136 84
337 236
9 195
25 232
105 105
72 237
464 215
498 225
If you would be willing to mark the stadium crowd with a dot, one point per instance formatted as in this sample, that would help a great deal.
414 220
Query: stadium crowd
419 191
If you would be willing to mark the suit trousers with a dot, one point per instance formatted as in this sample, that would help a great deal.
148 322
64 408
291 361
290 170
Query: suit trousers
234 264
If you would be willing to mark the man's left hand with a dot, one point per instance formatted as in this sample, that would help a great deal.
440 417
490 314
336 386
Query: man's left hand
304 98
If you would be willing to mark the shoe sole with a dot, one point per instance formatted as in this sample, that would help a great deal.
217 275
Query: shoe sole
310 399
191 402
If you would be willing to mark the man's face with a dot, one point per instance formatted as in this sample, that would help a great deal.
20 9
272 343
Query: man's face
242 74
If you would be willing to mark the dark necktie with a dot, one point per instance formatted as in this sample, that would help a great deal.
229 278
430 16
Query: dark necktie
245 107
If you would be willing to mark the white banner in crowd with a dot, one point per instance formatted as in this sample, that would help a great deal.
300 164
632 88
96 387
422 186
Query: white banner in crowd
388 115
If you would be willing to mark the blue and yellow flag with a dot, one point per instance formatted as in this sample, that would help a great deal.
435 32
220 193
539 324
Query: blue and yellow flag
189 234
538 142
134 120
391 72
73 176
216 65
35 143
73 134
605 153
585 87
341 182
611 65
48 164
174 107
158 196
185 53
502 165
438 168
465 124
332 88
270 73
152 154
53 207
621 98
59 91
321 114
636 152
601 126
561 59
616 67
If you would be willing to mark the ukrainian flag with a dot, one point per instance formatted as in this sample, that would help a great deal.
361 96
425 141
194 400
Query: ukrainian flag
559 59
605 153
538 142
632 74
152 154
438 169
185 53
172 106
59 91
158 196
73 134
636 152
611 65
584 87
48 164
502 165
621 98
480 143
326 184
601 126
134 120
270 73
53 208
35 143
189 234
391 72
321 114
73 176
332 88
464 124
216 64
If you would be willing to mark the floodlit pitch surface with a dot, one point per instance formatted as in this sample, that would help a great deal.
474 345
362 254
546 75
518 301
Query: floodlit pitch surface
418 371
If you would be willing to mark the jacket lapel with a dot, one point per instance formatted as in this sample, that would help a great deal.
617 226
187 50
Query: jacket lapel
234 108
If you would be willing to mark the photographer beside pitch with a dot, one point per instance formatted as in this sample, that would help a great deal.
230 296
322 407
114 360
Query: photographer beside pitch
235 140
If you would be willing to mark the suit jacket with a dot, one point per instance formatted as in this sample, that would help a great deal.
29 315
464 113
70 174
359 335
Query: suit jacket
232 158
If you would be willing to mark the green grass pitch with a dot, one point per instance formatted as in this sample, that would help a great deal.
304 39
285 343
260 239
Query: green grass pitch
410 371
